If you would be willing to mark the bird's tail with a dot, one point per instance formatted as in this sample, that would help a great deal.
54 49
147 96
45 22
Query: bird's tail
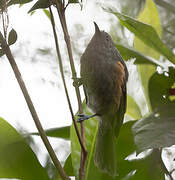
105 155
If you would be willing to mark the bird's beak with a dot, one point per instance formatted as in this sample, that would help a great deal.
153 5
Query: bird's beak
97 30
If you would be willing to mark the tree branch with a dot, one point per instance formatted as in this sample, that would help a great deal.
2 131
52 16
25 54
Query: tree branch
63 79
61 12
7 51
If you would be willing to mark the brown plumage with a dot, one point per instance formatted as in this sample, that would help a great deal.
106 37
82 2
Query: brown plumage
104 76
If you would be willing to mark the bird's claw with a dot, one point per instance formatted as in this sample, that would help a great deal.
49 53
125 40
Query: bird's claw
83 117
77 82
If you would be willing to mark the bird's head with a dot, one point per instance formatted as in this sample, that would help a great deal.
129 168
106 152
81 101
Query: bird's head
102 38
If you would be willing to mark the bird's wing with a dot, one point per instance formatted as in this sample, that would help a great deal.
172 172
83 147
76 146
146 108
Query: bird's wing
119 79
121 111
120 95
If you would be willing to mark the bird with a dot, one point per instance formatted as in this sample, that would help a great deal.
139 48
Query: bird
104 76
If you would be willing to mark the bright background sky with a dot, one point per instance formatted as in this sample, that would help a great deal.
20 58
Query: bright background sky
35 32
41 73
42 77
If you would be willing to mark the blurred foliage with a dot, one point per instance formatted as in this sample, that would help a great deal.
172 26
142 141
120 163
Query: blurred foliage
61 132
40 4
149 15
145 33
167 16
131 8
129 53
17 158
68 167
156 130
133 109
166 12
159 86
154 40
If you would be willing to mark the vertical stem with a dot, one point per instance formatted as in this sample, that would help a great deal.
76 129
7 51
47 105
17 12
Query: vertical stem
29 102
63 79
61 13
158 154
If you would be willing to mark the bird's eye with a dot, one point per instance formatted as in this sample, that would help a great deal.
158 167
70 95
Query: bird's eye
107 38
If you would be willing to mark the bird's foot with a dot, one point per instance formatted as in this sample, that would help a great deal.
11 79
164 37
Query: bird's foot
83 117
77 82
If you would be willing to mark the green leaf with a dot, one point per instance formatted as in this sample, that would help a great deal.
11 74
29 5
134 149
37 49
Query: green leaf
145 72
133 109
146 33
129 53
125 142
124 147
18 2
75 150
91 127
156 130
40 4
150 16
47 13
144 168
90 134
12 37
62 132
73 1
148 167
68 166
17 158
159 85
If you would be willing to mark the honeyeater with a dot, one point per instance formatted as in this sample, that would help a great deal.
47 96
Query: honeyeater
104 76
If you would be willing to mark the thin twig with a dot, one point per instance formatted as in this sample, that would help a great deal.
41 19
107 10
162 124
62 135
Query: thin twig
61 13
63 78
41 131
158 153
66 6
